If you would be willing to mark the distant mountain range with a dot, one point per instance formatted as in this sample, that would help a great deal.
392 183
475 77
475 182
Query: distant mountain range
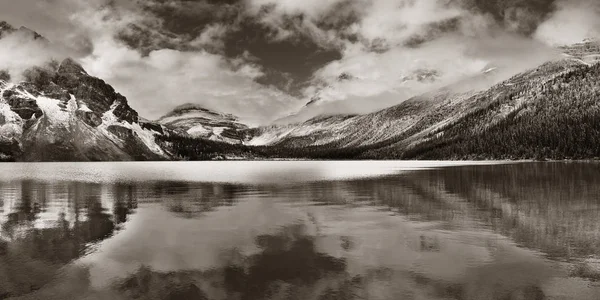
61 113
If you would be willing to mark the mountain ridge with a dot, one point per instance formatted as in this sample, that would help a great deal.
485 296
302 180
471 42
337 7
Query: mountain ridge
406 124
61 113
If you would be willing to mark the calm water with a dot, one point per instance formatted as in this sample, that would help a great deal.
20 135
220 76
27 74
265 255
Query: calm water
300 230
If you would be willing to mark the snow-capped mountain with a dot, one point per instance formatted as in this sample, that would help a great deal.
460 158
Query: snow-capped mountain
199 122
63 113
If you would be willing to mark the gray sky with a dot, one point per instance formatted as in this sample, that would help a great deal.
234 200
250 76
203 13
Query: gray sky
264 59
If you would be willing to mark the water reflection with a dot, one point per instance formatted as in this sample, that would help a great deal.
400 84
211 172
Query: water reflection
523 231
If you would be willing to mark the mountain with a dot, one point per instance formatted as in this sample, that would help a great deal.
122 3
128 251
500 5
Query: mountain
6 28
59 112
199 122
437 124
62 113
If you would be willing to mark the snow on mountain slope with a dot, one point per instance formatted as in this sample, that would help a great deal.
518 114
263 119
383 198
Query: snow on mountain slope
196 121
413 120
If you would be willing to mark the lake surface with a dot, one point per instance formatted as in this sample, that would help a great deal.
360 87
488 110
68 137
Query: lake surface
300 230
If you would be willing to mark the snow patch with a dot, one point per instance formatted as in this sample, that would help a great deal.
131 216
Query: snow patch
270 137
55 113
84 107
218 130
198 130
13 124
146 136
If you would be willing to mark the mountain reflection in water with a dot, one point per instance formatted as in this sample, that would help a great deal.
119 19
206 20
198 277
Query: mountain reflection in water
513 231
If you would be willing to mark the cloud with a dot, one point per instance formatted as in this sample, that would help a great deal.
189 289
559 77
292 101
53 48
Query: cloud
516 16
249 57
19 51
211 37
395 49
396 21
313 9
161 77
572 22
157 82
377 73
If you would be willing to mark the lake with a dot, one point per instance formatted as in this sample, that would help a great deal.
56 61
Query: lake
300 230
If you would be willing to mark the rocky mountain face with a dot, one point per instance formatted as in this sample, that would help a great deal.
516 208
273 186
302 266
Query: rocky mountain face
198 122
61 113
419 127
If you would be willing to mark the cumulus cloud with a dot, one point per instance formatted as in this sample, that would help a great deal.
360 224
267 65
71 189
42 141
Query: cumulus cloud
162 79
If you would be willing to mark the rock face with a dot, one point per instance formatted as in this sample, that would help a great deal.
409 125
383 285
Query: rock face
96 94
196 121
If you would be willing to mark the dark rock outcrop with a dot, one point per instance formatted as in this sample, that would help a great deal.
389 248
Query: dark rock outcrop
89 118
152 126
97 95
4 75
121 132
6 28
24 107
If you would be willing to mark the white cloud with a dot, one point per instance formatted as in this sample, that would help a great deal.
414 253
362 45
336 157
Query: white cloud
397 20
573 22
166 78
469 44
19 52
156 83
377 75
313 9
211 36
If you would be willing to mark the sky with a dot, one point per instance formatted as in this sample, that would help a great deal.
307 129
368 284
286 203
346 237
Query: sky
263 60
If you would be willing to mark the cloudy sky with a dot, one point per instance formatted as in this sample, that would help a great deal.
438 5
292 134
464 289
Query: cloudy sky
265 59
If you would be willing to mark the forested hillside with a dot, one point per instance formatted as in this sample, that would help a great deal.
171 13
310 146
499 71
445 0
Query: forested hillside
559 120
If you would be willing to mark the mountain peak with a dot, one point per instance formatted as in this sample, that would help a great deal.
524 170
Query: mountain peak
70 66
5 26
35 35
